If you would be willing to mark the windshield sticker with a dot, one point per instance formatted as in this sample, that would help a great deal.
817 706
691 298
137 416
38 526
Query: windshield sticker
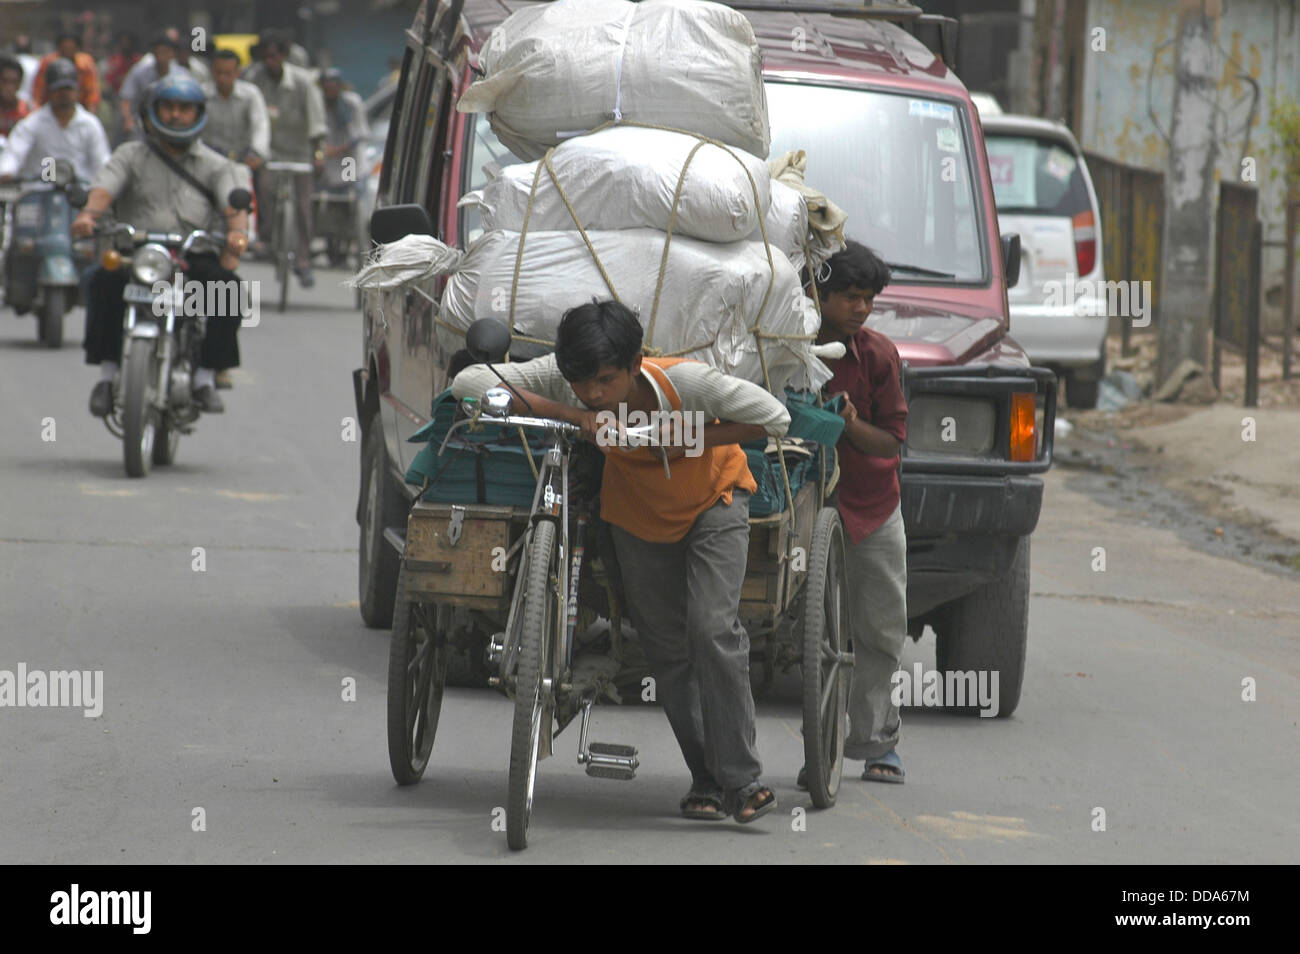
948 139
931 110
1059 164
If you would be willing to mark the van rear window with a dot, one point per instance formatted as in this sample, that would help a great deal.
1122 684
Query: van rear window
1035 176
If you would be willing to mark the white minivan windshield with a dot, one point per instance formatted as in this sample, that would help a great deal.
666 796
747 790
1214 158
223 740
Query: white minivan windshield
897 164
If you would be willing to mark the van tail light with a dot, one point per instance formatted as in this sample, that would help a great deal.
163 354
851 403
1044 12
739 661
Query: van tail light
1085 241
1024 440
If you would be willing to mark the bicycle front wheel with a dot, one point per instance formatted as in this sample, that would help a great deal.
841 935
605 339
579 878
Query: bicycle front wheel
539 618
285 241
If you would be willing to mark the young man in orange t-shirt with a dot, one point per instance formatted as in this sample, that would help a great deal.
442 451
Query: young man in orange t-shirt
682 542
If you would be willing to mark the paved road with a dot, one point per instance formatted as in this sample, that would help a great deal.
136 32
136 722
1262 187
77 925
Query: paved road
223 688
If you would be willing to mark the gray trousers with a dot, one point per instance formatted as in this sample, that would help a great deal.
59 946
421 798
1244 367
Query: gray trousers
683 599
877 573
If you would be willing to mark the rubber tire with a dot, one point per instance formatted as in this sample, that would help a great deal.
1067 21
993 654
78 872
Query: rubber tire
824 626
414 698
50 322
166 442
139 419
988 630
536 644
377 576
286 242
1083 394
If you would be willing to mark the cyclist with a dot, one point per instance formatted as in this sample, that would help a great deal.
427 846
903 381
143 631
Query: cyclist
298 130
345 115
682 542
61 129
148 193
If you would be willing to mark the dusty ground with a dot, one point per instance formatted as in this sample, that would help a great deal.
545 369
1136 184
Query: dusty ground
1234 471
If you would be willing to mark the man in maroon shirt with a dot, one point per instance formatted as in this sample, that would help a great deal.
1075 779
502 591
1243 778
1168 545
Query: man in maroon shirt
875 416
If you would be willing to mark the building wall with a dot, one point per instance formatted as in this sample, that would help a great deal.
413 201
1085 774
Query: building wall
1128 90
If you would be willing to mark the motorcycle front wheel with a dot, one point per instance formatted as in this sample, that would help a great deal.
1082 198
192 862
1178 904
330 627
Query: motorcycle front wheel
50 320
139 418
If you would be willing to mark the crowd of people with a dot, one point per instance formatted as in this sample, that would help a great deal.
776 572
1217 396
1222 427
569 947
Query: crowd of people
275 107
187 129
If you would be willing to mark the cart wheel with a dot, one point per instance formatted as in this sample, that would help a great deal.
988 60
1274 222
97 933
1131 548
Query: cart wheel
825 636
533 702
417 671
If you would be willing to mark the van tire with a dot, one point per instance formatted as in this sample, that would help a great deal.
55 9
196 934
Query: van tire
988 630
377 562
1083 385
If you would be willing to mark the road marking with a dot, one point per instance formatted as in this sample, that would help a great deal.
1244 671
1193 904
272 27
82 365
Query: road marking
966 825
350 604
94 490
249 496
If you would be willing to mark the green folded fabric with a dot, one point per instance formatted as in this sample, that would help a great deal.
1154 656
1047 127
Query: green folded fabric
487 466
812 423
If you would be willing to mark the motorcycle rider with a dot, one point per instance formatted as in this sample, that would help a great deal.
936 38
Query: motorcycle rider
150 195
61 129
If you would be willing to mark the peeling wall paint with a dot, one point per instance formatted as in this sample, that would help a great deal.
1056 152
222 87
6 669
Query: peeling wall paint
1128 90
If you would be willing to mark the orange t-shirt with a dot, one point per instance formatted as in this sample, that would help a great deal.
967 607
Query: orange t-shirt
636 496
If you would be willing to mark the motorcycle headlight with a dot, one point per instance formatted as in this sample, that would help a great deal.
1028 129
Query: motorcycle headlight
151 263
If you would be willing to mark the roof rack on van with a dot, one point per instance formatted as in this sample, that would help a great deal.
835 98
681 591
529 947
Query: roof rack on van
859 9
937 32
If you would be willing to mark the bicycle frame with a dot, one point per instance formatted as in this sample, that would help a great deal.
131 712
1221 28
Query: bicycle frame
550 502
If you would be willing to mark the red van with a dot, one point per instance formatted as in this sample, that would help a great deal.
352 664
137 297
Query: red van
892 137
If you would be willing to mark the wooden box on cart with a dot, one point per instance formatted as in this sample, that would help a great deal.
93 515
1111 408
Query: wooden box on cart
455 552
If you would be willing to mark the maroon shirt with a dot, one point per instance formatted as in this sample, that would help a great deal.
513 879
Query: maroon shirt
868 487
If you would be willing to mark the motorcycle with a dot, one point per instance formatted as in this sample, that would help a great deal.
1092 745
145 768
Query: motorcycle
43 265
154 404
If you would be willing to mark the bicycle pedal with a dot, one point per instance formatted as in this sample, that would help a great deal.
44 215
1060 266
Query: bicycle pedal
613 749
609 760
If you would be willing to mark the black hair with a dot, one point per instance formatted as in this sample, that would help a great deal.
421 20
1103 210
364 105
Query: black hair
461 360
274 40
854 266
10 63
224 54
162 39
597 335
67 35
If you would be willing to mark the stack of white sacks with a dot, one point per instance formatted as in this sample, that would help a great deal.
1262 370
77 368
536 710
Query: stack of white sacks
556 71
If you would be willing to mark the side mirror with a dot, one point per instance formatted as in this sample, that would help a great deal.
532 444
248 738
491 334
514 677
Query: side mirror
240 199
393 222
76 195
487 340
1011 258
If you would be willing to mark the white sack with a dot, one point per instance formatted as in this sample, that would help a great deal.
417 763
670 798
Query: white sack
556 70
711 296
625 177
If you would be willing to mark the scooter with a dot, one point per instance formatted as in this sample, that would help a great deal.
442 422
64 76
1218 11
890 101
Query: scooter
42 265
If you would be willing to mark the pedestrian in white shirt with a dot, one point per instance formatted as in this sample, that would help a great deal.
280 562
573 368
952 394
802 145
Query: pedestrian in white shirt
61 129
